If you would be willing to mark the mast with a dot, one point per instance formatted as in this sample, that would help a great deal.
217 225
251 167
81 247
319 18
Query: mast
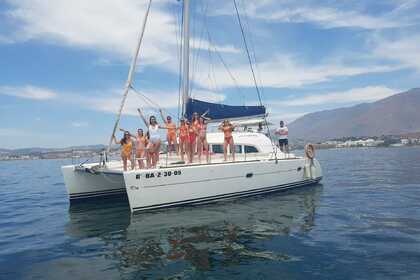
130 75
185 56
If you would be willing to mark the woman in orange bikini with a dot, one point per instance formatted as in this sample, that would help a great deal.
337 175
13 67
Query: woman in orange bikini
126 149
141 144
227 129
171 133
202 145
183 139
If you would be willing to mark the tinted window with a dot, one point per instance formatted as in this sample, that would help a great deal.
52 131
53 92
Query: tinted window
250 149
217 149
238 149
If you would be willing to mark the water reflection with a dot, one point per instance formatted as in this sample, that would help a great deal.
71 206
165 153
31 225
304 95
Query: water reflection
196 238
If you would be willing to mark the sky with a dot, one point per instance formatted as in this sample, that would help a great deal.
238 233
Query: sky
64 64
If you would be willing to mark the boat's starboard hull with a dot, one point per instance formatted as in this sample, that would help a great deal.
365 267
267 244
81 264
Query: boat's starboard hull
170 187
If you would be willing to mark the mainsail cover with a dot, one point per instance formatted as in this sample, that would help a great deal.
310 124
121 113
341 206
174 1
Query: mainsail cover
215 111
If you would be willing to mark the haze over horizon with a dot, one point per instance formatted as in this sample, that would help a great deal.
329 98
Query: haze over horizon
64 64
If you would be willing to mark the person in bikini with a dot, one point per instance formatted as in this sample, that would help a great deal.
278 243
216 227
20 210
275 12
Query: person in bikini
141 144
153 147
192 141
202 145
195 122
126 149
227 129
171 133
183 139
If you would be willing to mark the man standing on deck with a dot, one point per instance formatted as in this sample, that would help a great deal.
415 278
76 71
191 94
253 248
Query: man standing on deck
283 133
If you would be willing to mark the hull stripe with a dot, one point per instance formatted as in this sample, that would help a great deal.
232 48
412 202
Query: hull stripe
229 195
97 193
217 179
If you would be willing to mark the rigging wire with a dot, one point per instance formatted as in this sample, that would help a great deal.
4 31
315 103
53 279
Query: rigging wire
252 47
150 101
219 55
178 52
253 73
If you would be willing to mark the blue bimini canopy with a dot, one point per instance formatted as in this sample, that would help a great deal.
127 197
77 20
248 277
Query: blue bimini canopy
215 111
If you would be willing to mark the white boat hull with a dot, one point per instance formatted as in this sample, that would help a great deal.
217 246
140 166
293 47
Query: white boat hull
190 184
84 184
153 189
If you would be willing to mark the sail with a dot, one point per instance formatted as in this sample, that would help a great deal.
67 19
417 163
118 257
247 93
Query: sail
215 111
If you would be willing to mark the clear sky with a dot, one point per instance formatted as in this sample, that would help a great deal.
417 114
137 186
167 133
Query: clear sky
63 64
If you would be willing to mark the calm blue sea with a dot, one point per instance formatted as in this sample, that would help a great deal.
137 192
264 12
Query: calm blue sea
362 222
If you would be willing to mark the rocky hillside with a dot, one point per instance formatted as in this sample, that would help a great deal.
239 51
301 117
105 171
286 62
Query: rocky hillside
397 114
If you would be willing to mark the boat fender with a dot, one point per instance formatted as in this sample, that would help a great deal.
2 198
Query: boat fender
310 151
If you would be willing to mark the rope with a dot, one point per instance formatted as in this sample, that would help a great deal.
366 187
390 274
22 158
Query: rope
253 74
223 62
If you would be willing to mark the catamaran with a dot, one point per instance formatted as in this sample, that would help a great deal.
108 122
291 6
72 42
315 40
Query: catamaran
260 166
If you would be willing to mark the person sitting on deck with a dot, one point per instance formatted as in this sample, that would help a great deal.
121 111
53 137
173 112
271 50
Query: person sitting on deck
153 146
260 128
227 129
171 133
202 145
126 149
183 139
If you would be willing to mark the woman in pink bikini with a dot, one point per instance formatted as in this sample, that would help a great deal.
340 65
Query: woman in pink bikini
227 129
202 145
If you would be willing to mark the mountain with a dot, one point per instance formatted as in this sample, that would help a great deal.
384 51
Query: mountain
394 115
37 150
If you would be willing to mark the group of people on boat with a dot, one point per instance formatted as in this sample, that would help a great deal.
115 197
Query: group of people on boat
187 140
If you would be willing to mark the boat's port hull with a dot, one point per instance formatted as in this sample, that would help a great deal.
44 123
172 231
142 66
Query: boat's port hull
82 184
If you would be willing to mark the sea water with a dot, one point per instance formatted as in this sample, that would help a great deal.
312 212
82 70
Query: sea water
362 222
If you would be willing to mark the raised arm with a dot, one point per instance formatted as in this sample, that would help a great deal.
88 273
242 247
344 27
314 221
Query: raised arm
142 117
162 116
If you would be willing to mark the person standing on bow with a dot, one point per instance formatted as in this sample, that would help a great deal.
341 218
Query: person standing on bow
195 122
126 149
153 147
171 133
283 133
141 143
183 139
202 145
192 141
227 129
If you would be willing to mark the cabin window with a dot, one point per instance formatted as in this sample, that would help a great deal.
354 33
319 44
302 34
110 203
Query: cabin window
250 149
217 149
238 149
